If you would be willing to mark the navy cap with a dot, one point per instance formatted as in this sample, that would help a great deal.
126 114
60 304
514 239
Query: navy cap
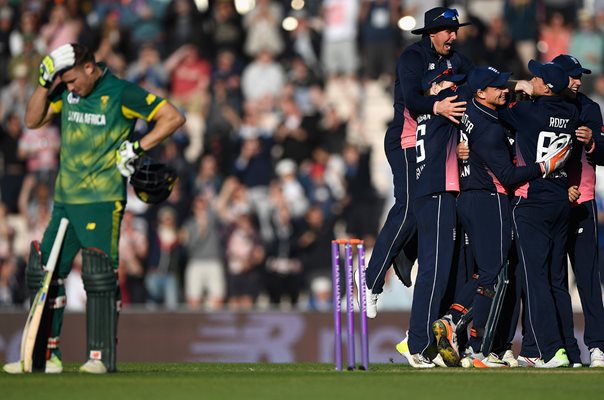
571 65
439 18
482 77
553 75
439 75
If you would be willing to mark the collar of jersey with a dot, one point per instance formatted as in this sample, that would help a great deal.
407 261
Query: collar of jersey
485 110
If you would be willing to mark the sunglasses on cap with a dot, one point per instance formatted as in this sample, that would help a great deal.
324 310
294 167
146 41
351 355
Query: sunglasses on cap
450 13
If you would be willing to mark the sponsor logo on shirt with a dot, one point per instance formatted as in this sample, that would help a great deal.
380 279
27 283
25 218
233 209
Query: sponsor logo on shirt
87 118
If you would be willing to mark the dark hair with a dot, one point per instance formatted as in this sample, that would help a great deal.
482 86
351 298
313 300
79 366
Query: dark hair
83 54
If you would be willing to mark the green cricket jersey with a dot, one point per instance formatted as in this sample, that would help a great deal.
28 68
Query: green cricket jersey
92 129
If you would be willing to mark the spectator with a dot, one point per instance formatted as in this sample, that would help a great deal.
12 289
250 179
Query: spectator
190 80
500 49
587 45
224 28
208 181
305 42
27 31
291 190
263 78
134 249
60 29
143 19
6 24
244 255
14 96
520 17
148 71
162 280
183 24
40 148
13 166
378 21
314 244
554 37
339 51
204 273
263 25
283 267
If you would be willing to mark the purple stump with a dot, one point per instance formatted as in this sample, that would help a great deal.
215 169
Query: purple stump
349 305
337 322
363 316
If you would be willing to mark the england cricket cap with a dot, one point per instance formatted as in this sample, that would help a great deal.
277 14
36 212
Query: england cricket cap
441 74
553 75
482 77
571 65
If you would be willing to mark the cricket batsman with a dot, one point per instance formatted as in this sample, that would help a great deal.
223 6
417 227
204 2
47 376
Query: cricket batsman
98 112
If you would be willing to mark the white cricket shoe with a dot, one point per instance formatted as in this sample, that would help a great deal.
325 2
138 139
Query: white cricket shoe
370 298
509 358
527 362
560 359
415 360
477 360
597 358
94 367
53 366
13 368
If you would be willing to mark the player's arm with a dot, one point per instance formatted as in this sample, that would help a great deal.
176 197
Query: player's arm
492 148
39 111
167 120
138 103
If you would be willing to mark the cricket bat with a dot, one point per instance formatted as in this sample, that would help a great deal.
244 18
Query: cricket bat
30 331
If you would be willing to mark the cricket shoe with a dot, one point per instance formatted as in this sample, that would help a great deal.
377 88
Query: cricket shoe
53 366
527 362
94 367
415 360
433 355
597 358
446 340
370 298
509 358
560 359
478 360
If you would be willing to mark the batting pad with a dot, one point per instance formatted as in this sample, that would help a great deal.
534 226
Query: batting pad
100 282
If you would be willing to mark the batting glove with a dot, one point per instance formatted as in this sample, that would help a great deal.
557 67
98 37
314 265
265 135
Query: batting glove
556 155
125 156
58 60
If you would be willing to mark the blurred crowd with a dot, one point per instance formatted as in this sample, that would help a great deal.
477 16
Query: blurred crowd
273 161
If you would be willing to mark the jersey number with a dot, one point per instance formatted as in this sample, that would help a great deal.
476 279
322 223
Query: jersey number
545 139
420 149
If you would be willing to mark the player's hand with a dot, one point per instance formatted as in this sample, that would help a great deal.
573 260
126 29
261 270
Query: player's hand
58 60
125 156
524 86
451 109
556 156
585 136
463 151
573 194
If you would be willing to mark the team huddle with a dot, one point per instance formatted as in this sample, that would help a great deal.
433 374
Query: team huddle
492 197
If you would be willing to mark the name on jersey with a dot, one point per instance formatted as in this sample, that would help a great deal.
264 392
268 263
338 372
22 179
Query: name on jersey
422 118
87 118
558 122
468 125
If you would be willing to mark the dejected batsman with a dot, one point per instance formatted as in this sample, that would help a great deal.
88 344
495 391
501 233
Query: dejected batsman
98 113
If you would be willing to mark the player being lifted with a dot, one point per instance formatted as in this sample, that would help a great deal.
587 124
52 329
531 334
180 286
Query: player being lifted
98 112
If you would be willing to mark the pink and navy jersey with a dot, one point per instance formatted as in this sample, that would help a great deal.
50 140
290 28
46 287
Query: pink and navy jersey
436 159
537 123
490 166
581 167
409 99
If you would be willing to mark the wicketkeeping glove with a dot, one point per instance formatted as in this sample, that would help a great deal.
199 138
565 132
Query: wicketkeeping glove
556 156
58 60
125 156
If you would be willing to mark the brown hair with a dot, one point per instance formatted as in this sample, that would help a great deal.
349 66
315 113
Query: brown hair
83 54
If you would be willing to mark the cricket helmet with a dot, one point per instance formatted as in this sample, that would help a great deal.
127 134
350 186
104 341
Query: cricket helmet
152 181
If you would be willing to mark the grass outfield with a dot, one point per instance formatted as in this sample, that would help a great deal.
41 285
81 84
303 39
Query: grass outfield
303 381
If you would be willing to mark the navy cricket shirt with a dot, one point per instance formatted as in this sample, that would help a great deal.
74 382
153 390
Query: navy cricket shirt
537 123
490 166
